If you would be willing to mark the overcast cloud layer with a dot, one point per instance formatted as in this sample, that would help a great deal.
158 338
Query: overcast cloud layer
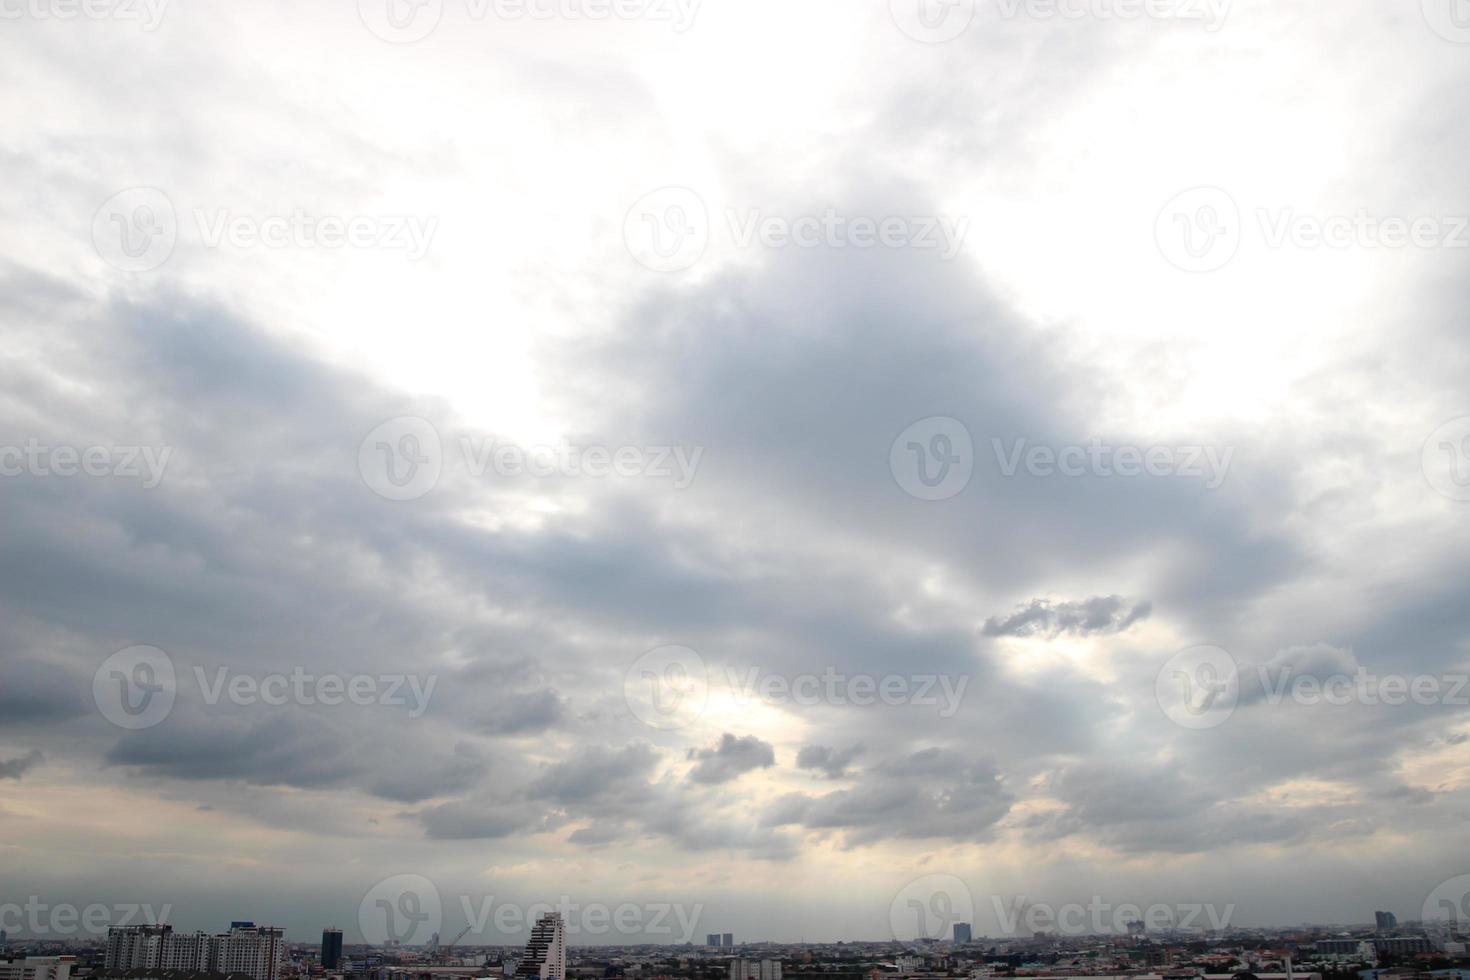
849 557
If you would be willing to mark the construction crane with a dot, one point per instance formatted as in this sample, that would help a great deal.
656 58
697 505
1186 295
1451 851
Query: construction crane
442 952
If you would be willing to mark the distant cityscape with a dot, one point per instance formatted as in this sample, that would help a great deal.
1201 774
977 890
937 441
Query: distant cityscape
1384 950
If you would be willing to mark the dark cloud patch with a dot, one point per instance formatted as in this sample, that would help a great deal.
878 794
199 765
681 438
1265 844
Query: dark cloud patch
731 758
412 784
481 820
933 793
522 713
1043 617
831 763
16 768
1143 809
595 772
32 692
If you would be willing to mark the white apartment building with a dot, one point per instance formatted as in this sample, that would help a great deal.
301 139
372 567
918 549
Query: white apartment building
755 970
37 968
255 951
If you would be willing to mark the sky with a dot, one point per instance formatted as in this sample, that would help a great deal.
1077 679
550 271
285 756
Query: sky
804 470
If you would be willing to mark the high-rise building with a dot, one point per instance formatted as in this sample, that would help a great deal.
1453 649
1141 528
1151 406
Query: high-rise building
755 970
134 947
712 939
1386 921
546 953
331 949
37 968
728 940
256 951
962 932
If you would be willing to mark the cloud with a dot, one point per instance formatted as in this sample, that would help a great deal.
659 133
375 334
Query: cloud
731 758
16 768
832 763
1043 617
932 793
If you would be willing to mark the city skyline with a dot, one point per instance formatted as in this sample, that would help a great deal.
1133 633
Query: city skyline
795 470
